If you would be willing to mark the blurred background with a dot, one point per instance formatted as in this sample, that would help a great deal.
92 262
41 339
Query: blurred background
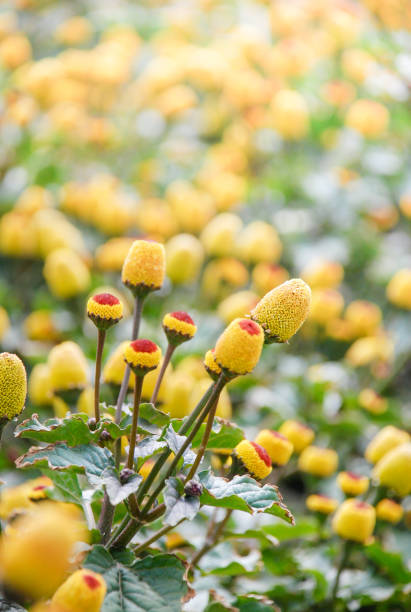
259 141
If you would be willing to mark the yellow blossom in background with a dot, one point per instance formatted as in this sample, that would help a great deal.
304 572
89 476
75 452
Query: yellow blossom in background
372 401
150 380
363 316
83 591
224 407
68 367
321 503
115 366
177 398
184 258
326 305
23 496
66 273
40 325
221 276
110 255
385 440
393 469
352 484
318 461
266 276
220 235
300 435
39 387
277 446
399 289
237 305
368 117
354 520
388 510
85 402
259 242
323 274
4 322
290 115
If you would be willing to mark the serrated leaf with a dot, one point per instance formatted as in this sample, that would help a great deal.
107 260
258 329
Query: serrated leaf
148 447
243 493
178 506
390 563
153 584
223 560
66 486
224 434
87 458
153 415
175 442
115 490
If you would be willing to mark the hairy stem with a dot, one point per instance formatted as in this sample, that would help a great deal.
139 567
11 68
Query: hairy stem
204 442
136 409
139 549
100 345
169 352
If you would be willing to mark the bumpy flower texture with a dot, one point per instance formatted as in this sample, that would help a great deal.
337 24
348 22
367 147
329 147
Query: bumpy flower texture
239 347
144 267
210 364
142 356
179 327
13 385
283 310
104 309
254 458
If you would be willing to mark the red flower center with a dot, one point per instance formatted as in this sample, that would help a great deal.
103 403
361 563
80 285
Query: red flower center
262 453
144 346
353 476
250 327
40 487
277 434
91 581
106 299
361 505
180 315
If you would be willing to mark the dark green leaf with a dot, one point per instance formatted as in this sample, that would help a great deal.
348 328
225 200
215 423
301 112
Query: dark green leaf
150 413
153 584
243 493
115 490
256 603
390 563
178 505
66 486
224 434
148 447
223 560
175 442
303 529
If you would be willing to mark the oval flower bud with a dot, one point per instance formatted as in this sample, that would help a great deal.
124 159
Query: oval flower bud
318 461
179 327
394 469
254 458
40 390
13 385
352 484
388 510
144 267
321 503
354 520
66 273
68 367
300 435
83 591
239 347
277 446
105 310
399 289
184 255
283 310
115 366
142 356
385 440
210 364
19 498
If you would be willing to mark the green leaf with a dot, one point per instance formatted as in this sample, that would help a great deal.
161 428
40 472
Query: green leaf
148 447
223 560
243 493
73 429
66 486
178 506
87 458
175 442
153 415
115 490
223 435
390 563
256 603
303 529
153 584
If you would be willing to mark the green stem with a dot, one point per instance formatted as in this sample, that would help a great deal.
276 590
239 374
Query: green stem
169 352
346 550
204 442
157 535
100 346
136 409
126 535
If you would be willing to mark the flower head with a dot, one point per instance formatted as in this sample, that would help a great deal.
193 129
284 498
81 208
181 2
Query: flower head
114 368
13 385
254 458
40 390
385 440
321 503
352 484
388 510
399 289
277 446
104 309
318 461
66 273
184 256
354 520
179 327
283 310
142 356
83 591
238 349
210 364
144 267
22 496
394 469
300 435
68 367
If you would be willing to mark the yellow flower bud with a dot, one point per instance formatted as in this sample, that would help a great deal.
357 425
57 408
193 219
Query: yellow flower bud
177 397
365 351
238 349
40 389
385 440
73 31
388 510
399 289
224 408
150 380
321 503
220 235
340 330
352 484
326 305
66 274
21 497
277 446
259 242
368 117
266 276
237 305
372 401
85 402
115 366
364 316
394 469
221 276
184 258
179 327
16 235
36 555
144 266
4 322
60 407
300 435
83 591
405 204
318 461
290 114
146 468
254 458
192 208
210 364
105 310
142 356
354 520
39 325
13 385
174 540
155 218
110 256
193 366
323 274
68 367
14 51
283 310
